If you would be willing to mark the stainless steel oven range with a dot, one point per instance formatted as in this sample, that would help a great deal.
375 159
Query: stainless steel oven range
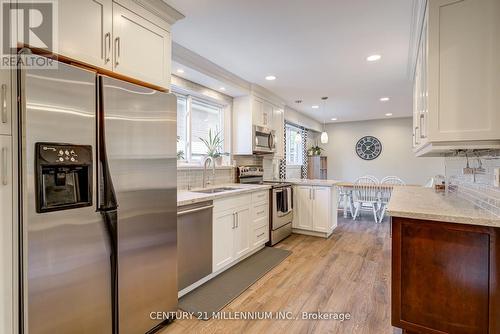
280 202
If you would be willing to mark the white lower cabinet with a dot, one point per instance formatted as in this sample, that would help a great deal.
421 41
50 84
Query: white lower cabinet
242 232
303 208
6 236
315 210
223 239
240 226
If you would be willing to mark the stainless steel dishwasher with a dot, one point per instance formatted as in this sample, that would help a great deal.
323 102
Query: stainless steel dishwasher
194 242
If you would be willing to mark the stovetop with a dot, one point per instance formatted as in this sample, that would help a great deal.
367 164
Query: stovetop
255 175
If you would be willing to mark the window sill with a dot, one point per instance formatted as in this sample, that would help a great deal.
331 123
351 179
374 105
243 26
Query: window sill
195 166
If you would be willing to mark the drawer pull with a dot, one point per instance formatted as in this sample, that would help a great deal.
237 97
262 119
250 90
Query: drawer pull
261 212
260 235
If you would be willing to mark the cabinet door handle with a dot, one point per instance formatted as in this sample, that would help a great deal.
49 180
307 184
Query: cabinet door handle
416 140
4 166
260 212
314 194
260 235
107 47
422 135
117 50
4 103
310 194
237 220
234 221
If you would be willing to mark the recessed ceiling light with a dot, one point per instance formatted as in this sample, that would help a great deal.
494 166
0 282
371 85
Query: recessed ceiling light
315 107
373 57
388 114
298 101
180 71
384 99
222 88
270 78
334 119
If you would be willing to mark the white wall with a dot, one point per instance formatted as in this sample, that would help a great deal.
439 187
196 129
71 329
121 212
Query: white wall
294 117
396 158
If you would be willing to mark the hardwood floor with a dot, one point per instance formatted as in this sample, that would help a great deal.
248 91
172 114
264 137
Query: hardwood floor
349 272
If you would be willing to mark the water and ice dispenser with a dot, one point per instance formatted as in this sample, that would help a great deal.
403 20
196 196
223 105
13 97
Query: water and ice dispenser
63 176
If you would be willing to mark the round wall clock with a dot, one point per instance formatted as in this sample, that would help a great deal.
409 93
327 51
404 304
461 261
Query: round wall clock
368 148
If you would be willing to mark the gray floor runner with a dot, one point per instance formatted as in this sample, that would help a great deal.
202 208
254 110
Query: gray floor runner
212 296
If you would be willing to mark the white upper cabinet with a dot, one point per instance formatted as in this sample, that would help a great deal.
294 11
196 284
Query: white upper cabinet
85 29
128 37
141 49
5 102
457 78
253 110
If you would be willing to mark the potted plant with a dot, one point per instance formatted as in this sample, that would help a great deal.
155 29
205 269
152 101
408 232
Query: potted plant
214 144
180 153
314 150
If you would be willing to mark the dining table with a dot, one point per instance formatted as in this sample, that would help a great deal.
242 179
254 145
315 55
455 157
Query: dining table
348 187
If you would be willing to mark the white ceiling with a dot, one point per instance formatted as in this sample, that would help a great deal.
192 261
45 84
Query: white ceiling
315 48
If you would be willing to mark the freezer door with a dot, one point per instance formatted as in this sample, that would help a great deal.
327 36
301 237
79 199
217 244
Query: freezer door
139 126
67 282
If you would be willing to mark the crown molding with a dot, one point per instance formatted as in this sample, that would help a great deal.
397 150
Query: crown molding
267 95
161 9
193 60
417 21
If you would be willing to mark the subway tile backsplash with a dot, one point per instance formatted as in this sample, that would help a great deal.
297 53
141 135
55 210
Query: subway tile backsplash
477 187
193 178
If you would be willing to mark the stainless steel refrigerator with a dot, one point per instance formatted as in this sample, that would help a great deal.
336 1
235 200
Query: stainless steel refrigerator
98 203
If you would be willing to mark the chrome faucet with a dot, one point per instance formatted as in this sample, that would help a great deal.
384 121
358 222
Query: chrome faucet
212 161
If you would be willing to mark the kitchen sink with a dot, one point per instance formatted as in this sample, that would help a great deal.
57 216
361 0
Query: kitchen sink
215 190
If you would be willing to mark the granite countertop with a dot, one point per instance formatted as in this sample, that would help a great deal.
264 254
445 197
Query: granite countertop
309 182
185 197
427 204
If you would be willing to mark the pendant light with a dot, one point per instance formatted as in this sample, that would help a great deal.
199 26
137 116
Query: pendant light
324 134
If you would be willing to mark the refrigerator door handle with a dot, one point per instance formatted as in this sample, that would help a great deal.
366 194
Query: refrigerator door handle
110 218
106 193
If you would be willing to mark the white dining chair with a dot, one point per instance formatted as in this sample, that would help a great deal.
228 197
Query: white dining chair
393 180
366 195
367 179
386 192
345 201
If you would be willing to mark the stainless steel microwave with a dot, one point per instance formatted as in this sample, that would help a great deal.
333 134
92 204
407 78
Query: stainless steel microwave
264 140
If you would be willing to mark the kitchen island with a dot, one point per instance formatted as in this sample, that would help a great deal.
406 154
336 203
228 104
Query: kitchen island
445 264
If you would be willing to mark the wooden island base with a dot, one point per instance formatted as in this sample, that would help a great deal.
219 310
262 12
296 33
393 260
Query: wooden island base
445 277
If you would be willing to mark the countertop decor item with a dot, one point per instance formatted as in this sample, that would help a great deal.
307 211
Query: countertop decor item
368 148
214 144
314 150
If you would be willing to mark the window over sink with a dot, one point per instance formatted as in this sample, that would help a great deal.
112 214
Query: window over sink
196 117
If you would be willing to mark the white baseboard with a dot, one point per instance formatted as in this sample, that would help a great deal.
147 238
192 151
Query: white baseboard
312 233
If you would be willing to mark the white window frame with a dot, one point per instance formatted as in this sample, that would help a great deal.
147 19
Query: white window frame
301 155
188 160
